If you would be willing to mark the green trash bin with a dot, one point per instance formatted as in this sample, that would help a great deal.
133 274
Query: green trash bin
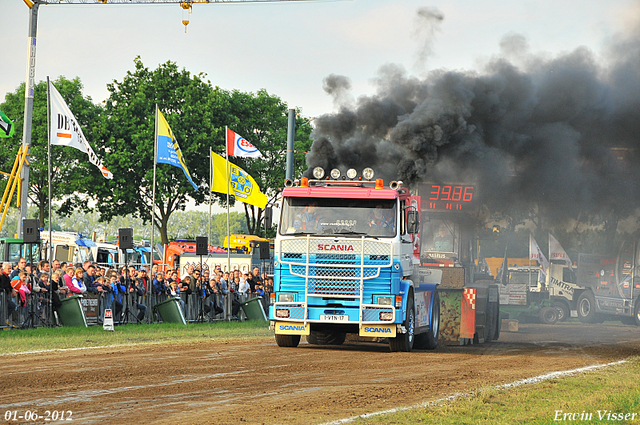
253 309
71 312
170 311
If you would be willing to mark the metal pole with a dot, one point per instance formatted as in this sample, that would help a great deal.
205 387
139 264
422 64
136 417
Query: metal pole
226 151
291 133
28 114
50 250
153 191
210 191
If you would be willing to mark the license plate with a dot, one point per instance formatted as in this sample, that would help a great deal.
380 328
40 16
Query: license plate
334 318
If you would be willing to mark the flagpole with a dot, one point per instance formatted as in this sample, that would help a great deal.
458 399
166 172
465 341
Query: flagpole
49 168
153 191
226 151
50 256
210 193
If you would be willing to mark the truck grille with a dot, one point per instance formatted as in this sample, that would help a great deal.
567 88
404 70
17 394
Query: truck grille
335 274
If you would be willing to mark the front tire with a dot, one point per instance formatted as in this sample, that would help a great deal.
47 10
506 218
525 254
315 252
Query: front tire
587 307
548 315
404 342
429 340
287 340
563 311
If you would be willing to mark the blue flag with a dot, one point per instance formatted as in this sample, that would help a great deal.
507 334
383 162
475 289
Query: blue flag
168 150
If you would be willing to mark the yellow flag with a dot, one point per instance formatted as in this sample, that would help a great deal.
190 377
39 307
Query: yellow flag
241 184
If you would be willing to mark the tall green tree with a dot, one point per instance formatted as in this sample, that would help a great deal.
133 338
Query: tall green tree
197 113
128 128
71 170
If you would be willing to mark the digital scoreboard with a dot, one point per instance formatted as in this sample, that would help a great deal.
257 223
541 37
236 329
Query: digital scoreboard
447 197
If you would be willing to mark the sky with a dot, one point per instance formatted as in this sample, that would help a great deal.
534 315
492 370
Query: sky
290 47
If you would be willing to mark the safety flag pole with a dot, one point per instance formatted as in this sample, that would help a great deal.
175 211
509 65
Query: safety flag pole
153 191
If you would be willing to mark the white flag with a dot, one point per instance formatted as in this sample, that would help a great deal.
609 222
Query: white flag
66 131
239 146
556 252
536 254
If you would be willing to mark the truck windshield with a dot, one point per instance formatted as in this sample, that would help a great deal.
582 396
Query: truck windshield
320 216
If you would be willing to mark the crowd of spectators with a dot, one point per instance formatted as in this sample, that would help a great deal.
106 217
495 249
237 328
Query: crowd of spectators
212 291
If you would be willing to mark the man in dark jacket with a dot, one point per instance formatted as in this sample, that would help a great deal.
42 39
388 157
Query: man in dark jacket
5 285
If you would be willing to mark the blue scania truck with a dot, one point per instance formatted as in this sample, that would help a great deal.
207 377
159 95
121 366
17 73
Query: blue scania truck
346 261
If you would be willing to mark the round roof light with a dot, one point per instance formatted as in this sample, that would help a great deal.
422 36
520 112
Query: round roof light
352 173
335 174
367 173
318 173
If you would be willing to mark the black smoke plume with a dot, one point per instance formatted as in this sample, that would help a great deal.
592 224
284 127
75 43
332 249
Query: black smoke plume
559 132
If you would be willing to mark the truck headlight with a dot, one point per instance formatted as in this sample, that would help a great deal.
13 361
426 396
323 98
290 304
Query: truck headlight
285 298
385 300
318 173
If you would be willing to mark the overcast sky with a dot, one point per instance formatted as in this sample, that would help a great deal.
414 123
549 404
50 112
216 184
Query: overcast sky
288 48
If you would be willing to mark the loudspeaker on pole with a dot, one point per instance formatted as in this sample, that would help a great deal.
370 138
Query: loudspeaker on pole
125 238
202 245
30 230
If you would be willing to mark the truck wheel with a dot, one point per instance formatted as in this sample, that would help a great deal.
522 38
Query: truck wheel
404 342
287 340
587 307
326 338
563 311
548 315
429 340
636 314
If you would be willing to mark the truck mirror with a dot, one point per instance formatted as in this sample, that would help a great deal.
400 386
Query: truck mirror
413 222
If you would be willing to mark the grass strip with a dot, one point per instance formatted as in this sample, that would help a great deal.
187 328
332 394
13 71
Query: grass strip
606 396
18 341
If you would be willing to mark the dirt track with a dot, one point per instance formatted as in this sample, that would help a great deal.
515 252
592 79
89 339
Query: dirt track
217 382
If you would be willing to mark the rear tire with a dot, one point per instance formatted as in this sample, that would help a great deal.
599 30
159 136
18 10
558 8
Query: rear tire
563 311
636 313
287 340
587 307
548 315
326 338
429 339
404 342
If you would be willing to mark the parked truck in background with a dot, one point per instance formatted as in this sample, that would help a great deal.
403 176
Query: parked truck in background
604 287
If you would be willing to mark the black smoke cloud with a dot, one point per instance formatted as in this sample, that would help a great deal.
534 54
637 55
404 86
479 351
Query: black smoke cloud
528 129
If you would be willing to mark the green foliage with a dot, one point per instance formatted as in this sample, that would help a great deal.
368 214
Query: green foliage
197 114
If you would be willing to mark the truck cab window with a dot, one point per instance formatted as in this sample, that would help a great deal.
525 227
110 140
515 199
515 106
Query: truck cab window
329 216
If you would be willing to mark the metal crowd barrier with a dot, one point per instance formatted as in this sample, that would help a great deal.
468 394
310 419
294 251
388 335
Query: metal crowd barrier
37 311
